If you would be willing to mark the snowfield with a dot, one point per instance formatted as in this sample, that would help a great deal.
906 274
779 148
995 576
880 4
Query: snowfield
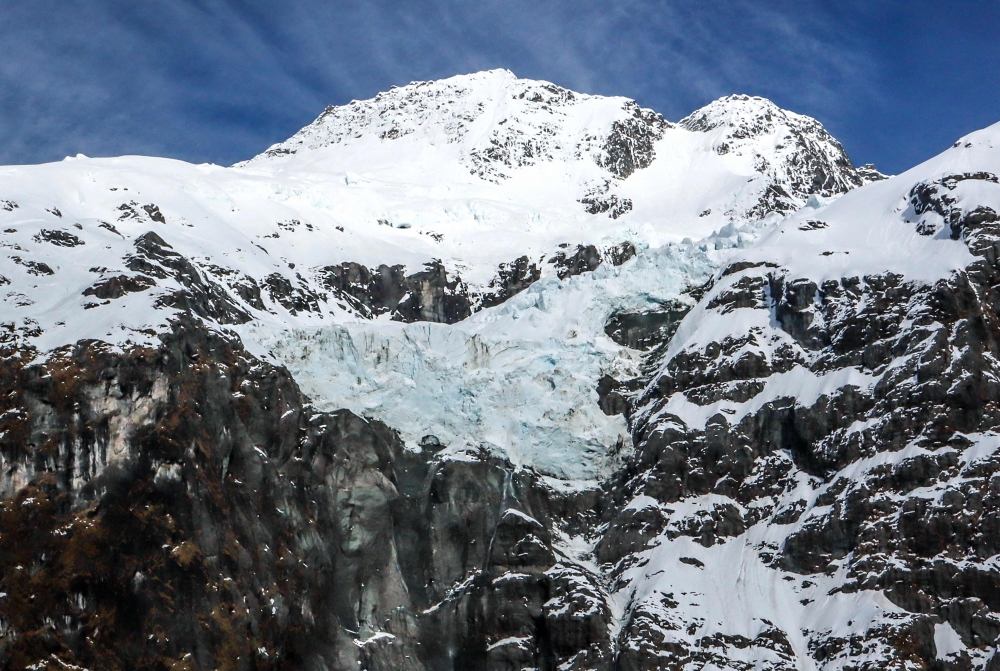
474 171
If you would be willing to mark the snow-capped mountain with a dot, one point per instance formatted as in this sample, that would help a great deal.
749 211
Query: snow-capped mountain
428 202
587 389
542 144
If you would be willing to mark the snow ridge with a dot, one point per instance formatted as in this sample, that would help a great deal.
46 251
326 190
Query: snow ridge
494 121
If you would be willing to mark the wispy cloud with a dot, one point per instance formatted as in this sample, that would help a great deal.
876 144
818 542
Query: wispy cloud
220 80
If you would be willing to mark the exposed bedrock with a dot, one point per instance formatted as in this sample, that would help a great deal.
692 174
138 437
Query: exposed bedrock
226 296
629 145
430 295
646 329
184 507
886 482
154 258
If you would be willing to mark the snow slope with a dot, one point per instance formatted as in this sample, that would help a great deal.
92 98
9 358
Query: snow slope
887 226
476 171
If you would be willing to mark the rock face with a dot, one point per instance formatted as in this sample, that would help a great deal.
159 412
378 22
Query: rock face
429 295
644 330
629 145
423 296
184 507
154 258
838 435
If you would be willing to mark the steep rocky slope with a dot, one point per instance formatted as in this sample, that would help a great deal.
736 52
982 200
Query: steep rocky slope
816 446
183 507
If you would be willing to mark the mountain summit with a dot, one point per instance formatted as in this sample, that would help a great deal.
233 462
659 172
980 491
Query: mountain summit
492 124
486 181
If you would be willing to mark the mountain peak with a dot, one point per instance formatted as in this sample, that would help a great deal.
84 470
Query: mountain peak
493 126
814 161
731 110
492 122
749 116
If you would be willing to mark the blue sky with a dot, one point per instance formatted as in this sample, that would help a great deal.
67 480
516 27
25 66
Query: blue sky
216 81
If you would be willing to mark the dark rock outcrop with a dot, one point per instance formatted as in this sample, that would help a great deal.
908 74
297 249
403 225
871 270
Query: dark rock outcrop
430 295
154 258
600 201
423 296
512 278
935 198
620 253
645 330
583 259
118 286
58 238
371 291
921 528
612 396
629 145
295 297
184 507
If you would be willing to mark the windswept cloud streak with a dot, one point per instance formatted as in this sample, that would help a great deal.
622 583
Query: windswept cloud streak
216 80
